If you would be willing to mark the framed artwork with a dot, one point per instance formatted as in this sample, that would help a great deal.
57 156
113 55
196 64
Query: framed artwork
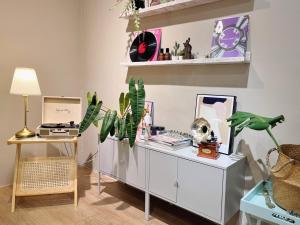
230 37
216 109
149 116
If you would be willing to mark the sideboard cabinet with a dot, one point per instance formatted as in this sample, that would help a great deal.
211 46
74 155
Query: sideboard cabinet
209 188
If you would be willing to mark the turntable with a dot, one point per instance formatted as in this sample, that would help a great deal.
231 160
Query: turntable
60 117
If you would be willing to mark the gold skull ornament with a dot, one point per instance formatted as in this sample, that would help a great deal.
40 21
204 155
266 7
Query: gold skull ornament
201 130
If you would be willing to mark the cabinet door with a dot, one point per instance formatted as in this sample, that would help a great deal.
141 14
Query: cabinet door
129 164
163 175
106 156
136 170
200 188
120 160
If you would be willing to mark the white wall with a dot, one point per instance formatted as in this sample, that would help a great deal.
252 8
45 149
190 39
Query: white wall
269 86
77 46
44 35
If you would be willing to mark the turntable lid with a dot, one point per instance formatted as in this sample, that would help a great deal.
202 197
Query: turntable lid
61 109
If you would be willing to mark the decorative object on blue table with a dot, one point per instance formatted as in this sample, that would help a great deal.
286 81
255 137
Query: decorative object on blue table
286 172
254 205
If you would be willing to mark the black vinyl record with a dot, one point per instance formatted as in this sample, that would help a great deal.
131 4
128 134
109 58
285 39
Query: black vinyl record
143 47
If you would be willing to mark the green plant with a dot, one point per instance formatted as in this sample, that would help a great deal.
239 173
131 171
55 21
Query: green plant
175 49
240 120
129 8
122 124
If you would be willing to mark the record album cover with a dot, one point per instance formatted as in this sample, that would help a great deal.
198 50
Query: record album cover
230 37
145 46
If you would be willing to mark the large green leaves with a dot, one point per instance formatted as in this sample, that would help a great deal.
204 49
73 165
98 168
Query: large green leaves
123 102
107 124
91 113
240 120
131 128
137 100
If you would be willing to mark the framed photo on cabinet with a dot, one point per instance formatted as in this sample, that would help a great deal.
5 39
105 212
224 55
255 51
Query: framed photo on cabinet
216 109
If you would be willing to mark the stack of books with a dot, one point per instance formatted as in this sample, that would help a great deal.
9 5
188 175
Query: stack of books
170 140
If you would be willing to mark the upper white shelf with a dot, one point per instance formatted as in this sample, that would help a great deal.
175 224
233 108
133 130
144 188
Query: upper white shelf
186 62
169 7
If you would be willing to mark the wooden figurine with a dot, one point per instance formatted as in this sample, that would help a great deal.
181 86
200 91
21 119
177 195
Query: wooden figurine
154 2
187 49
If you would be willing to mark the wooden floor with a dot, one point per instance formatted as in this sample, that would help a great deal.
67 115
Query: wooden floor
118 204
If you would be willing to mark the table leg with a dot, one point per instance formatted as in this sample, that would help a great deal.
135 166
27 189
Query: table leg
17 160
75 175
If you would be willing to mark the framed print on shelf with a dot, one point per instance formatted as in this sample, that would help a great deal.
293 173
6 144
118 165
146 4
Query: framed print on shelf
216 109
230 37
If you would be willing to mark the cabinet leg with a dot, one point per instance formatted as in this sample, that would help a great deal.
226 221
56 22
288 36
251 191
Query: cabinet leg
147 205
99 182
17 160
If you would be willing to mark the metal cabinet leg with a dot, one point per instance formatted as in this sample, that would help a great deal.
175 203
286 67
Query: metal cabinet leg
17 160
99 182
147 205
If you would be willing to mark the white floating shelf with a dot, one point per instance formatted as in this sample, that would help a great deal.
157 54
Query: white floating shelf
170 6
191 62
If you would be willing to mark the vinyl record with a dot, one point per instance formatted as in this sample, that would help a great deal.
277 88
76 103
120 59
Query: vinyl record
143 47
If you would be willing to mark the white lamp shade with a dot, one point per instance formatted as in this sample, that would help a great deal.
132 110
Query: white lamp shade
25 82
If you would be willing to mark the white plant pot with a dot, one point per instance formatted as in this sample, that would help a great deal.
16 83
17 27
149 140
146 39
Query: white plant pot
180 57
175 57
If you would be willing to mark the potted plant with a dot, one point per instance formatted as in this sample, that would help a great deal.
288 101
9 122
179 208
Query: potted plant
286 172
123 124
175 51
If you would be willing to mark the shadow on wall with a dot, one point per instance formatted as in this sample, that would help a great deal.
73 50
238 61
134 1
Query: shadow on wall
203 12
254 173
231 75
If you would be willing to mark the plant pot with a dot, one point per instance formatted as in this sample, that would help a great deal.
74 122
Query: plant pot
180 57
175 57
286 177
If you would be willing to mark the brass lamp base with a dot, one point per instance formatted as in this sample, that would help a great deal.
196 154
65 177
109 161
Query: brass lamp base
25 133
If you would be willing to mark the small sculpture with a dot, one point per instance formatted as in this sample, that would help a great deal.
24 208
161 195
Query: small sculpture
187 49
154 2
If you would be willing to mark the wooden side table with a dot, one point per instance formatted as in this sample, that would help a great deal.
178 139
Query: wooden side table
44 175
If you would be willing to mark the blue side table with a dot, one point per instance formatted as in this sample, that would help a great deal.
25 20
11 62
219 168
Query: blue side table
253 205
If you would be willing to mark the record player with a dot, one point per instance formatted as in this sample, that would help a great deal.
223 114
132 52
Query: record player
60 117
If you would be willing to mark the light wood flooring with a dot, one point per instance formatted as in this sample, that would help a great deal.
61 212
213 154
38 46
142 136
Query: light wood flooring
117 204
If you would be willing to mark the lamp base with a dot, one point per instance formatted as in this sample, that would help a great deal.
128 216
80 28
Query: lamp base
25 133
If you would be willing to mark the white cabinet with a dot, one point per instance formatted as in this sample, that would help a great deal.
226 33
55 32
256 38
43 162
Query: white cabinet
163 175
124 163
209 188
200 188
106 156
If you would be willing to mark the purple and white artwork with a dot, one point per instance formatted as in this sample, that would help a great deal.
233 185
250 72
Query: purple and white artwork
230 37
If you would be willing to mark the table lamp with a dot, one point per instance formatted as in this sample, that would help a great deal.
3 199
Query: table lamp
25 83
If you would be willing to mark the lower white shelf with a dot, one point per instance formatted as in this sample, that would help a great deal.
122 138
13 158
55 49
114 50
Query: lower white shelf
191 62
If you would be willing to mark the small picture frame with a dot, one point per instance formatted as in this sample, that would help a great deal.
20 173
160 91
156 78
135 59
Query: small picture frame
216 109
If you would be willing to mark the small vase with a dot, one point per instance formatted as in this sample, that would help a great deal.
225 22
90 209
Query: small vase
175 57
180 57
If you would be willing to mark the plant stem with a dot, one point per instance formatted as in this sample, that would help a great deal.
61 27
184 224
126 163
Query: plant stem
273 138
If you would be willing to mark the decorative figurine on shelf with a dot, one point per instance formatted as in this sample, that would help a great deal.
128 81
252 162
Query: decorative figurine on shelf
187 49
204 138
154 2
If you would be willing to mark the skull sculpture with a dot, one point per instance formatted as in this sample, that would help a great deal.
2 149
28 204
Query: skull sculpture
201 131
